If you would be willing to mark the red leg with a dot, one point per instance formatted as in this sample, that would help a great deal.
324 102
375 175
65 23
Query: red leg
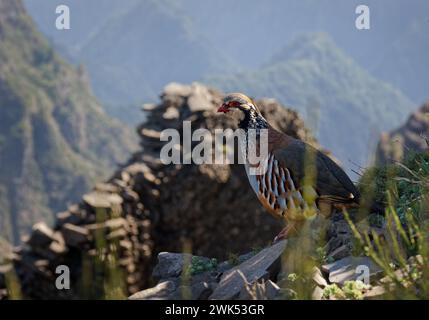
291 229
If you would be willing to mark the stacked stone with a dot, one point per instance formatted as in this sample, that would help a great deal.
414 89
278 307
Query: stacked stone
202 206
110 222
147 207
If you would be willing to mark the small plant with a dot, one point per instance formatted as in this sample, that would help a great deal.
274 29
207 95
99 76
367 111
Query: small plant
333 291
233 259
376 220
351 290
292 277
200 265
402 249
256 250
322 257
354 290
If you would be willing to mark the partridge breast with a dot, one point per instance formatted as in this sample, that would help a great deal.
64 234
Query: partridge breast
278 192
281 190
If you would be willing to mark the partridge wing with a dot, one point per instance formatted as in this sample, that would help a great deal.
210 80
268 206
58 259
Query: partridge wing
331 181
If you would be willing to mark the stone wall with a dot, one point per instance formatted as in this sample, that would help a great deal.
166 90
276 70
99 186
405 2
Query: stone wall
110 238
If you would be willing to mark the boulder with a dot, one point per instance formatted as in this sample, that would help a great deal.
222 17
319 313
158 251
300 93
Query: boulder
375 293
253 269
41 235
318 278
317 293
267 290
347 269
74 235
340 252
161 291
171 113
170 265
199 99
176 89
102 200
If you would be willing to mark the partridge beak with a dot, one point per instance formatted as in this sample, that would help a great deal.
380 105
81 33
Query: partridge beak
223 109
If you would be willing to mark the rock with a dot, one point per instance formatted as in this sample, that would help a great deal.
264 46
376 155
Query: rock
69 217
226 265
267 290
249 271
96 200
117 234
339 253
201 290
171 113
286 294
58 247
149 106
126 244
374 293
4 269
176 89
102 200
106 188
137 168
149 176
161 291
116 223
271 289
345 269
403 274
63 217
199 99
317 293
3 294
170 265
41 235
318 278
151 134
6 251
74 235
130 195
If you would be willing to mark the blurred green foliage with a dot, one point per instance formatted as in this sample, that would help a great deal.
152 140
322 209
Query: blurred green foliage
402 250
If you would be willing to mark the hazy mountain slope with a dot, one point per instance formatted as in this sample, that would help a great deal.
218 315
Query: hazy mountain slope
246 31
133 49
87 17
54 136
405 63
317 78
395 47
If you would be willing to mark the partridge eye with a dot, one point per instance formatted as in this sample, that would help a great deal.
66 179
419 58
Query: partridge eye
233 104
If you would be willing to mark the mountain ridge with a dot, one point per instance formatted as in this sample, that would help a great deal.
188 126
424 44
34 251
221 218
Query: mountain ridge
322 81
55 139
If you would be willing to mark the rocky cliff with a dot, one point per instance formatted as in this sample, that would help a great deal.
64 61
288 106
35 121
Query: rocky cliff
55 139
111 238
412 136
